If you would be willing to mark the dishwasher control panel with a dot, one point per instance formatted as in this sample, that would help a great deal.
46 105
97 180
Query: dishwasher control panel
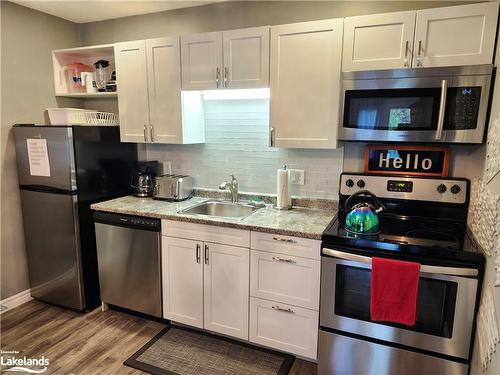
136 222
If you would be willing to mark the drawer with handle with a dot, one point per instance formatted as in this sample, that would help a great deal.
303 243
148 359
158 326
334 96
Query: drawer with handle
295 246
285 278
284 327
204 232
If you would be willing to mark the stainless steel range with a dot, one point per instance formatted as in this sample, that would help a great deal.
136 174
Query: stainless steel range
424 222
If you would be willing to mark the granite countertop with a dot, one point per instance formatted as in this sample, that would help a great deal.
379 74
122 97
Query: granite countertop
299 221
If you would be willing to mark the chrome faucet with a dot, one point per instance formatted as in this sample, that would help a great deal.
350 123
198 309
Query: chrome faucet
233 188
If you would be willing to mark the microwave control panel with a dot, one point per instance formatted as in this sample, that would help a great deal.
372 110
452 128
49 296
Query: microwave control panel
462 108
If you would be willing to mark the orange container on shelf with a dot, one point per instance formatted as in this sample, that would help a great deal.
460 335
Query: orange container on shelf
72 75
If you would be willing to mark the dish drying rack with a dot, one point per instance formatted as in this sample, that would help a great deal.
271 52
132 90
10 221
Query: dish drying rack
76 116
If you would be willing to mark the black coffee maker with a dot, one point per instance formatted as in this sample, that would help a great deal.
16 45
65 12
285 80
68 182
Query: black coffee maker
143 179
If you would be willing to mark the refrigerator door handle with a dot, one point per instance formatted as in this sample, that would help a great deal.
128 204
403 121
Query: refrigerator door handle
47 189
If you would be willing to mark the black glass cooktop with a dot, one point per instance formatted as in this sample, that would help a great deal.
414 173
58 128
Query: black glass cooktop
402 230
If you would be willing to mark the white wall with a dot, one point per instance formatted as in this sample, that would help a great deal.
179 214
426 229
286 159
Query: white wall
237 139
27 38
489 277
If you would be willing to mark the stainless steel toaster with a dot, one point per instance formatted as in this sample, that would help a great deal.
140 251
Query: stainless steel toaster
173 187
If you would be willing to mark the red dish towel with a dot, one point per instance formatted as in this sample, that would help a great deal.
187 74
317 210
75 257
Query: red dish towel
394 287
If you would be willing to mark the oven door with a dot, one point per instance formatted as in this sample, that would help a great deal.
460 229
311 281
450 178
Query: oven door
445 308
424 109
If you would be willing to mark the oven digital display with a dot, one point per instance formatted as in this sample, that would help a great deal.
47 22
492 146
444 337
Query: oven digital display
401 186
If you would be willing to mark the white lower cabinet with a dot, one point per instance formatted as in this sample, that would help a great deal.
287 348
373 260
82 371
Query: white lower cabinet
268 295
226 289
285 278
205 284
284 293
284 327
182 279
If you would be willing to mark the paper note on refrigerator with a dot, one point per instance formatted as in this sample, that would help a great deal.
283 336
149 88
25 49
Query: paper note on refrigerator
38 156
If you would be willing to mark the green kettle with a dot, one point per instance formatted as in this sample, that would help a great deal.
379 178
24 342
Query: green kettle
362 217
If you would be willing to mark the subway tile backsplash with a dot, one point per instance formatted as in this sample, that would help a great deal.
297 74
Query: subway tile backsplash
237 138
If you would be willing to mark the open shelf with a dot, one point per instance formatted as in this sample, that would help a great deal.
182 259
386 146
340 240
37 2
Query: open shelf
89 95
85 55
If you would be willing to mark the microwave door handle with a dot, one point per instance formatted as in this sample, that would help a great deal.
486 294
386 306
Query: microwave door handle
442 110
437 270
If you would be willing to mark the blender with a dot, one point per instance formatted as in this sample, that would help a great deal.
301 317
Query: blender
101 74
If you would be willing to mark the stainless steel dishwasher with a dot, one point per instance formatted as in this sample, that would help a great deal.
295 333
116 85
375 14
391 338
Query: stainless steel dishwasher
128 255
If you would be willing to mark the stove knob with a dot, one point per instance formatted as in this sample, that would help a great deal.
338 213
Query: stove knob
361 184
455 189
441 188
349 183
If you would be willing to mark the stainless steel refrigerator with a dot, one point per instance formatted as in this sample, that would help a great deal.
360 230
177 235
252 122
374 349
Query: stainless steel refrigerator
63 170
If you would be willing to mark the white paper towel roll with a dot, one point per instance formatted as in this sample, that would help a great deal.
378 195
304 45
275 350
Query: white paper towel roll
283 192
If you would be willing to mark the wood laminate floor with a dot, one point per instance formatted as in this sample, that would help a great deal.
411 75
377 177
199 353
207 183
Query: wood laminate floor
93 343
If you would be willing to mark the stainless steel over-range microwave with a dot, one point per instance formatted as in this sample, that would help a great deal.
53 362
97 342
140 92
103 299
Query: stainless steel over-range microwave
448 104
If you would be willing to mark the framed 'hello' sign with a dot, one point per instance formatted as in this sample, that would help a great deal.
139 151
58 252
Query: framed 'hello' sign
428 161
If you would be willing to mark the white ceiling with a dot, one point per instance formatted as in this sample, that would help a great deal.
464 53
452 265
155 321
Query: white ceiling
98 10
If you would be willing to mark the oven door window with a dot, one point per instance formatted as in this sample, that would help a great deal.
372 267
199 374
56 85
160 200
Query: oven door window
435 306
392 109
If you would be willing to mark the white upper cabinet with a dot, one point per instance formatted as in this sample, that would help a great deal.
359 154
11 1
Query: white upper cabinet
246 58
164 83
201 61
378 41
149 94
458 35
130 61
229 59
305 84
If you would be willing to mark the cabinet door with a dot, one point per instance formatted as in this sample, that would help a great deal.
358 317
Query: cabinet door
458 35
164 83
285 279
284 327
132 86
201 60
305 84
246 58
226 277
182 279
378 41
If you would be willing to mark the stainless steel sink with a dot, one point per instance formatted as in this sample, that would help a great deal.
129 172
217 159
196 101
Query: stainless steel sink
220 209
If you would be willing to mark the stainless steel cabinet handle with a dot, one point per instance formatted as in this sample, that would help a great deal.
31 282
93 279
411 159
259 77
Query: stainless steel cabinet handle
217 77
152 132
288 240
419 62
437 270
206 254
271 137
198 253
145 132
278 259
442 110
406 54
288 310
226 74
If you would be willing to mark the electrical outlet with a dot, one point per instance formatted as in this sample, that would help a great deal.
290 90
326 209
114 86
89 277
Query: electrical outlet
167 167
297 177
